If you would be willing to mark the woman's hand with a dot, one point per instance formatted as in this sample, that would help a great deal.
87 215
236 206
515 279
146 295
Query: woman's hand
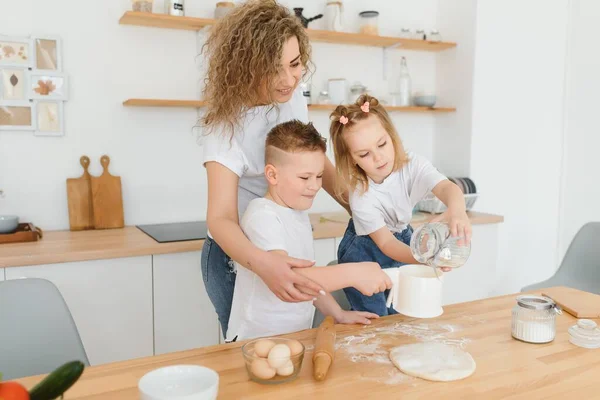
275 269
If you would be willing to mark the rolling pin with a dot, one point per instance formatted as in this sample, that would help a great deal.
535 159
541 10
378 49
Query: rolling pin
324 349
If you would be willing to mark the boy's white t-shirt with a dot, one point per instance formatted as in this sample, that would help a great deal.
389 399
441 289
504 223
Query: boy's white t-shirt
255 310
391 202
244 154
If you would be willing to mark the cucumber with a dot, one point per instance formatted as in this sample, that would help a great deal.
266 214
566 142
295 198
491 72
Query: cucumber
57 382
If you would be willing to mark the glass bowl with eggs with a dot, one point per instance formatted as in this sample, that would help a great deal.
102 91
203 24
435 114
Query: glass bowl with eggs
273 360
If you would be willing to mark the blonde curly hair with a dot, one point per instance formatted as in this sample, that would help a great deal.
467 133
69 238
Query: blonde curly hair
244 50
350 175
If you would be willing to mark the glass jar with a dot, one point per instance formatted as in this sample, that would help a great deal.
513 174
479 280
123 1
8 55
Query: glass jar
534 319
369 22
420 34
356 90
175 8
434 36
142 5
585 334
222 8
323 98
405 33
432 244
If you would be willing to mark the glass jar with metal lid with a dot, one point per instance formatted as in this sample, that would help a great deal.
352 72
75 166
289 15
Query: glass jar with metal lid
534 319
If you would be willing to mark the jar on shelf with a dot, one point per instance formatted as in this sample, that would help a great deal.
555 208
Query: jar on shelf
434 36
142 5
174 7
420 34
369 22
323 97
222 8
356 90
534 319
405 33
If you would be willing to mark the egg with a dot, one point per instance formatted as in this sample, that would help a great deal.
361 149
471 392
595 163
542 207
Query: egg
261 369
295 347
287 369
262 347
279 356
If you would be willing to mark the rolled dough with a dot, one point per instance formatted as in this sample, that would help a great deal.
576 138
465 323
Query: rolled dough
433 361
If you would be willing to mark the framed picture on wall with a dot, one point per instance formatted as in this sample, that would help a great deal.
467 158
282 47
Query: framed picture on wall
49 118
17 115
45 85
47 53
14 83
15 52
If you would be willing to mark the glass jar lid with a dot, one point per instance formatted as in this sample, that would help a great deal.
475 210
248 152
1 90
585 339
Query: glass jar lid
369 14
585 334
536 302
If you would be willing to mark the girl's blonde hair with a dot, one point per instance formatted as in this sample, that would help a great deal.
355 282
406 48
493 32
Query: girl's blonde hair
349 174
244 50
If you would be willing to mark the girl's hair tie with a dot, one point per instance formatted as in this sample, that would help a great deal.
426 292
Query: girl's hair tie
365 107
343 120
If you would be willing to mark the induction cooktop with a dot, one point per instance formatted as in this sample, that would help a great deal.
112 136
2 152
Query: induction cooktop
175 231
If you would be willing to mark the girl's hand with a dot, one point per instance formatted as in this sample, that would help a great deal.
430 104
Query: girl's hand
459 224
355 317
276 272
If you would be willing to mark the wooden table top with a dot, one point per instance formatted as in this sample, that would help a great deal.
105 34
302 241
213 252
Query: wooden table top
67 246
506 368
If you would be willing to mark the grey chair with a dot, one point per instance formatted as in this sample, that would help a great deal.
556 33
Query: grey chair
37 331
580 268
339 296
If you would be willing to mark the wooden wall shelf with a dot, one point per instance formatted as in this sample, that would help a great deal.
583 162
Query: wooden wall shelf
194 24
315 107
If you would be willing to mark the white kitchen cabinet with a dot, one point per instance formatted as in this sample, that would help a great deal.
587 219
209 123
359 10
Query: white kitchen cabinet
184 317
1 274
474 280
110 300
324 251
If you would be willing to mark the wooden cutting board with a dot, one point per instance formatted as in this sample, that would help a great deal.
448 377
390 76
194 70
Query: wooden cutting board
578 303
107 199
79 198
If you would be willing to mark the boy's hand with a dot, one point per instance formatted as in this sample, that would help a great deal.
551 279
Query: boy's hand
354 317
369 278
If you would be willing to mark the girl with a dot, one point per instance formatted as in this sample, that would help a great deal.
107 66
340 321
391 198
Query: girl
257 55
385 183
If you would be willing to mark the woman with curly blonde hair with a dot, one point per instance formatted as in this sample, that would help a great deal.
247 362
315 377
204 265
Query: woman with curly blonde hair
257 55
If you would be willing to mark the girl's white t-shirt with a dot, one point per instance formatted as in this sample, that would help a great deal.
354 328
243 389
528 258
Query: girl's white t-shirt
244 153
391 202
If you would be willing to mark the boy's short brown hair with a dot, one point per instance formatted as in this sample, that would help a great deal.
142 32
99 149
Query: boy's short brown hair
292 137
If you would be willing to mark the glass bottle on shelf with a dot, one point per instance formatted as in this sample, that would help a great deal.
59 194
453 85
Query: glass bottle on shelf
402 93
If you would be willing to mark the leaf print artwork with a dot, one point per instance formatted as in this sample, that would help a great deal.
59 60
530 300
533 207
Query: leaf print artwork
45 87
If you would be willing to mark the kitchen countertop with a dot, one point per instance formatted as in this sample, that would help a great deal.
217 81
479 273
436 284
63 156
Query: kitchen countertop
67 246
506 368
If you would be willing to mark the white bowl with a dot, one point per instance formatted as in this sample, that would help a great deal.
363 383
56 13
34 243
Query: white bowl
417 292
179 382
8 223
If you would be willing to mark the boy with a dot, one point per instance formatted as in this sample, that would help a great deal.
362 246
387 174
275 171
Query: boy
295 159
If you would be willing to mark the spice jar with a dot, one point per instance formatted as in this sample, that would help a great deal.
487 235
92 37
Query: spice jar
142 5
435 36
222 8
534 319
369 22
174 7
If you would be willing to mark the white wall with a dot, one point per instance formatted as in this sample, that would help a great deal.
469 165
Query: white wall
581 173
517 131
154 149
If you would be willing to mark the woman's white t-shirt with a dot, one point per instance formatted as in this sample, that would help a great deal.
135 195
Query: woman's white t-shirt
391 202
244 154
